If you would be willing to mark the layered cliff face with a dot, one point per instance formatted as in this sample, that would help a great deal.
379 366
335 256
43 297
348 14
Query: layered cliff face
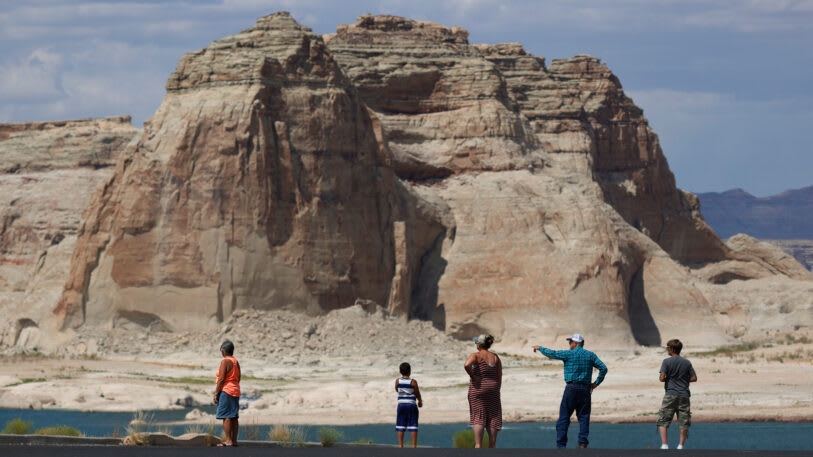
535 166
444 108
257 184
48 172
577 106
395 163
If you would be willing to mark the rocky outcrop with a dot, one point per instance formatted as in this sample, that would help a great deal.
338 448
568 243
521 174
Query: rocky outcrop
258 183
28 147
801 250
518 148
753 259
393 163
444 109
48 171
577 106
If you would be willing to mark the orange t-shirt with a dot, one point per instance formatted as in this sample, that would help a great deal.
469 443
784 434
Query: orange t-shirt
232 383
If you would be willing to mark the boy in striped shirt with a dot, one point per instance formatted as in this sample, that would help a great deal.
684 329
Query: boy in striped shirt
409 400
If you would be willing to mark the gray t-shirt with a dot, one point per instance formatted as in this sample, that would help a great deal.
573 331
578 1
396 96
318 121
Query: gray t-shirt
678 372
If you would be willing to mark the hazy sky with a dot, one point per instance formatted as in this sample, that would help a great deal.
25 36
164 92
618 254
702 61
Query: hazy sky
726 84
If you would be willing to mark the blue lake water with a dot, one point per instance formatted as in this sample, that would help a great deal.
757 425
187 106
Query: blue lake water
542 435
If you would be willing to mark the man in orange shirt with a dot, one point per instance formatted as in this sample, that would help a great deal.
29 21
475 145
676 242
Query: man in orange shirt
227 393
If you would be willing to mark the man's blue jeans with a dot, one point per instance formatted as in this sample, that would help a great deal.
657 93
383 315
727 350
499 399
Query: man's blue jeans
576 398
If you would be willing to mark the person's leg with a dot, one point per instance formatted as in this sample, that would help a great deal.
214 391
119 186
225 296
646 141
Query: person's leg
684 433
584 407
478 435
414 438
664 441
565 411
235 430
223 413
684 419
401 423
492 437
665 415
227 432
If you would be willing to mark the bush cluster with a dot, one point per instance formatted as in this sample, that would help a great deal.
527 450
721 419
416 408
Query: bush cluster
20 427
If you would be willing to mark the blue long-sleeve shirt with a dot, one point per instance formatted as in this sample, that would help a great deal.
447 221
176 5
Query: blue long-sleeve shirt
579 364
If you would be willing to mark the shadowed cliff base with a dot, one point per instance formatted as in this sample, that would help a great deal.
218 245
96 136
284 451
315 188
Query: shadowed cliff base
643 326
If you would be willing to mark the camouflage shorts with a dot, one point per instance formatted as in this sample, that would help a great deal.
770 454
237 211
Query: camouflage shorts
675 405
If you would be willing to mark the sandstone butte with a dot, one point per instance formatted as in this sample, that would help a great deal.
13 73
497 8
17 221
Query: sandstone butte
393 162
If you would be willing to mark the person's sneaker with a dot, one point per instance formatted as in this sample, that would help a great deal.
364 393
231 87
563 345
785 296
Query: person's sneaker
664 446
680 446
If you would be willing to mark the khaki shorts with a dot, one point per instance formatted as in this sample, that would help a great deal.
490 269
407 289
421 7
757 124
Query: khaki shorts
675 405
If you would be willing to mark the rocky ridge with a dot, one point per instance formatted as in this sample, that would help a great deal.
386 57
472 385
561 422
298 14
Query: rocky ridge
394 163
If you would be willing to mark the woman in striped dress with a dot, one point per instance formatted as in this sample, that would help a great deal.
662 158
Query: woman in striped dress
485 379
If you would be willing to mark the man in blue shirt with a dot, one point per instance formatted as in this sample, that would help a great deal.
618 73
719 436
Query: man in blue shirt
579 364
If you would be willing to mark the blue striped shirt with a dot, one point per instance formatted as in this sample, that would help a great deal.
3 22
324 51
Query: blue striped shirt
406 393
579 364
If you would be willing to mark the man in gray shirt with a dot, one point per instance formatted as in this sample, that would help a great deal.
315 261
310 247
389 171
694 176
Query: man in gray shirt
676 374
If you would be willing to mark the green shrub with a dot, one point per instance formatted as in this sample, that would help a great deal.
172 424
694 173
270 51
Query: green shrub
465 439
329 436
58 430
18 427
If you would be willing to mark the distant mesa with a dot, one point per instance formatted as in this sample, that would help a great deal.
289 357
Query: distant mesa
786 219
786 216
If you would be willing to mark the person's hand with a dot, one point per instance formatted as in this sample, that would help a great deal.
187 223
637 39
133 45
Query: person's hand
420 403
536 348
216 399
592 386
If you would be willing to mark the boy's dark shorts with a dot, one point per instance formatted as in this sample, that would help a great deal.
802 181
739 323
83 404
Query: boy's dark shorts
407 418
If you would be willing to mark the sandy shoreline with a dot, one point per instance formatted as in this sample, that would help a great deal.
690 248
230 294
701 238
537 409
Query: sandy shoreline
764 384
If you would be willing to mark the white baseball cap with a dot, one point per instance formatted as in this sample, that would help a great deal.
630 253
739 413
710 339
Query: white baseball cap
577 337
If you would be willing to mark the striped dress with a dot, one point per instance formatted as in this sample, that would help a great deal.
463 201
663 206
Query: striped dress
485 407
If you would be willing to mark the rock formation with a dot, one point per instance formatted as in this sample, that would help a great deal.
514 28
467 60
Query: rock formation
393 163
48 171
537 166
258 183
801 250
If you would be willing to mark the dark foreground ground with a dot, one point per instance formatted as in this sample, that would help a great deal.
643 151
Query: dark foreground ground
165 446
7 450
